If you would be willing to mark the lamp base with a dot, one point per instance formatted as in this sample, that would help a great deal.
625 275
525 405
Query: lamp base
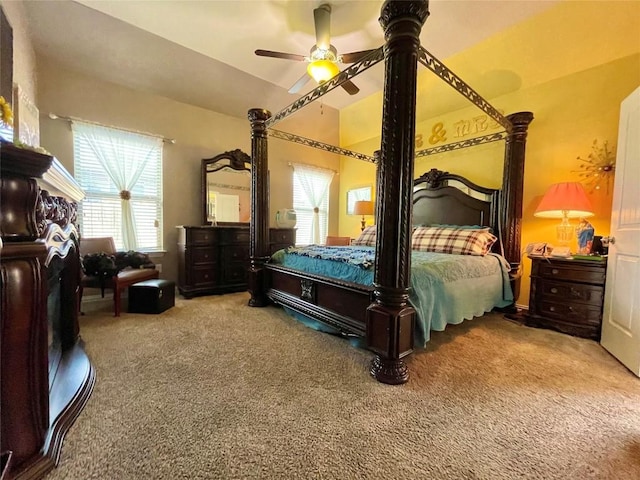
363 224
565 232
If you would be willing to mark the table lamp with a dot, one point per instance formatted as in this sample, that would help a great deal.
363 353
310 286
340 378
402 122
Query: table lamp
564 200
363 207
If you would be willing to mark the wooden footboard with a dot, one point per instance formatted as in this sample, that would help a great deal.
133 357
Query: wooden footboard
341 305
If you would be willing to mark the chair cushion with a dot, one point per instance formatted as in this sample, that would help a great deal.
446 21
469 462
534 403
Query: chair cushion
130 276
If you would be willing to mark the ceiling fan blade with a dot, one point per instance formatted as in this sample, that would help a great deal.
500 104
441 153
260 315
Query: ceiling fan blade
300 83
322 20
354 57
350 87
286 56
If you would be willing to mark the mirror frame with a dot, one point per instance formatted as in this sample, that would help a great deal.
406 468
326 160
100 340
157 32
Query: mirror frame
234 159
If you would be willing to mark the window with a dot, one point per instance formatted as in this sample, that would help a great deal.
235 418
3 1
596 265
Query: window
121 174
311 202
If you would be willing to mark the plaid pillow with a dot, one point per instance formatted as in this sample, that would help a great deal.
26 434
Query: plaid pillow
460 241
367 237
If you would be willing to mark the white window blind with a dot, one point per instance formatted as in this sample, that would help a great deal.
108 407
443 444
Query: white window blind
311 202
121 174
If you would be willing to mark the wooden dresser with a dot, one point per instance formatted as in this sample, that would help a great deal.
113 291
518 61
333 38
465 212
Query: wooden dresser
567 295
213 260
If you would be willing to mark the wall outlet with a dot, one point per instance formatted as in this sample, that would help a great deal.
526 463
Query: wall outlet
159 267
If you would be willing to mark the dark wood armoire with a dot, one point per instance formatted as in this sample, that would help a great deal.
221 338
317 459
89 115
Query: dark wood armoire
46 377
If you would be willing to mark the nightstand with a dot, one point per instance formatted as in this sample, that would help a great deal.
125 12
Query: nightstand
567 295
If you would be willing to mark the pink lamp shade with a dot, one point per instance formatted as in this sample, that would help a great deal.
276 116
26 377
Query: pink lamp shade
565 200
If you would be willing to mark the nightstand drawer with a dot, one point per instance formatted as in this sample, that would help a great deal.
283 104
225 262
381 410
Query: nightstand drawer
570 292
572 273
570 312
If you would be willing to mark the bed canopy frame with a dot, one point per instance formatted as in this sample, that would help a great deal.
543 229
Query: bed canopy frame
389 319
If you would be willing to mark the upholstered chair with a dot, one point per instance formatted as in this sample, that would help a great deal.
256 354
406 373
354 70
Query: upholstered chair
338 241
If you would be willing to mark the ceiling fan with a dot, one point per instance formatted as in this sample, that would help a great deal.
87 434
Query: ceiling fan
323 57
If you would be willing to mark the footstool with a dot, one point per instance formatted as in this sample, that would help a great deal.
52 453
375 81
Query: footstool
152 296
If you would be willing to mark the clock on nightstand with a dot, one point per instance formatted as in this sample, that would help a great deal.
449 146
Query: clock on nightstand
567 295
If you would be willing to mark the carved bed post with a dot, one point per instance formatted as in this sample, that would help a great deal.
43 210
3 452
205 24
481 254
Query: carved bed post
511 196
390 319
259 228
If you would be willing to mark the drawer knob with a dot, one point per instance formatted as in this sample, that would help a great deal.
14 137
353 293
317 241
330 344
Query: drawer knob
206 275
552 309
554 271
554 290
206 255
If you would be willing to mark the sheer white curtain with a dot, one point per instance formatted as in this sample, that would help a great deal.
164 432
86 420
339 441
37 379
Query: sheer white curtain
123 156
313 182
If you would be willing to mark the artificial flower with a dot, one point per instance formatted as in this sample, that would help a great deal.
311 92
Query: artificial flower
6 115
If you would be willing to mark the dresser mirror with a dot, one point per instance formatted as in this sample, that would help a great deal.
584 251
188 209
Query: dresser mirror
226 188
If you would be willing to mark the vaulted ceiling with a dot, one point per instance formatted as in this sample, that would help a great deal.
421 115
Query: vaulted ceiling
202 52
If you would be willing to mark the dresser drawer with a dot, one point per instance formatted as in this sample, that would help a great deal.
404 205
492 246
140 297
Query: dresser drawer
201 236
577 313
570 292
202 255
234 253
235 273
235 236
571 273
203 277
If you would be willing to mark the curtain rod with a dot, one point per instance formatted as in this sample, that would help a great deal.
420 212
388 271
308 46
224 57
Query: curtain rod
290 164
54 116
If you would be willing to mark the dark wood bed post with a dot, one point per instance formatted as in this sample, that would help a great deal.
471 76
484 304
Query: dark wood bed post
511 195
390 319
259 228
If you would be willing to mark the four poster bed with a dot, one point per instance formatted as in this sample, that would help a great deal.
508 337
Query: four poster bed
379 310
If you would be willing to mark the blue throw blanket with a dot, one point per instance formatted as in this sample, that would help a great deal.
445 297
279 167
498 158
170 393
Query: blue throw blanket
445 289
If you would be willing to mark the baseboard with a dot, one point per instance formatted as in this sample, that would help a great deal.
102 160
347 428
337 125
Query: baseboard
519 316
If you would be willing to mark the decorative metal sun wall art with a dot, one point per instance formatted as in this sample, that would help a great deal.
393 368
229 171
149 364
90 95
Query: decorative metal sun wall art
598 169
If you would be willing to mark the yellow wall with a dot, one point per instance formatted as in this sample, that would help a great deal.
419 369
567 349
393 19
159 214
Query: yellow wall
571 66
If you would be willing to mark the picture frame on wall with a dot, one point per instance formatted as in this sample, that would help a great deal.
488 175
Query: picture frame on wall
26 119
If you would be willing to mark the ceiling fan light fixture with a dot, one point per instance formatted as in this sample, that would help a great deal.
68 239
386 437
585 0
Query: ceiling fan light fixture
322 70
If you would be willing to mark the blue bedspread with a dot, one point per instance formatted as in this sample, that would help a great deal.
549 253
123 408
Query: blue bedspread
445 289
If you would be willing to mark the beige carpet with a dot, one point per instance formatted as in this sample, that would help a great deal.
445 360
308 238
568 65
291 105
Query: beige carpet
215 389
